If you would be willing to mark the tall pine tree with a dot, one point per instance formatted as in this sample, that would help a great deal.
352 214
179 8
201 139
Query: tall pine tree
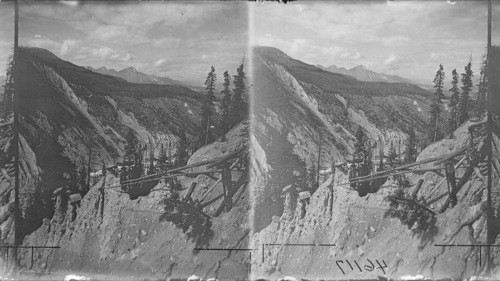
482 90
182 153
437 103
238 110
463 105
362 153
392 156
411 149
208 110
131 150
163 157
151 169
8 89
454 101
226 105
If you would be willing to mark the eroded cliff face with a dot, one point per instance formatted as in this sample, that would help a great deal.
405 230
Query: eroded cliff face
301 112
310 232
108 233
358 230
71 118
68 111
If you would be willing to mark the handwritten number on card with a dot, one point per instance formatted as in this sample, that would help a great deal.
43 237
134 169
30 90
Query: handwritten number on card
368 267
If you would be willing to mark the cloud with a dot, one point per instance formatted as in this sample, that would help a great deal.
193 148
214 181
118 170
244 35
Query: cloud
161 61
390 60
396 40
166 41
105 33
103 52
180 39
67 46
409 38
44 43
126 57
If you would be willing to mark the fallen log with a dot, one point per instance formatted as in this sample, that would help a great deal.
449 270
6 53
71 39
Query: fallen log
421 162
189 192
211 201
452 184
127 183
218 181
241 181
166 175
241 192
473 126
417 188
444 179
468 172
449 156
201 163
365 178
228 157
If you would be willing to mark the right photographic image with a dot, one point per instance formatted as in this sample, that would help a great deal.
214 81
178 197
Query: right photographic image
375 140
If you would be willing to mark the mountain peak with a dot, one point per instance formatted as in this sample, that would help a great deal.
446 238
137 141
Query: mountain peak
361 67
129 69
269 51
38 53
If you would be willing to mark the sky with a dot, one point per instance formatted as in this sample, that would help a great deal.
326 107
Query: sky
409 39
6 34
176 40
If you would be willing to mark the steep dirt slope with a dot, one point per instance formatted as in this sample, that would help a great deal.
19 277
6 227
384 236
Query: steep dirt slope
299 106
362 232
123 237
67 112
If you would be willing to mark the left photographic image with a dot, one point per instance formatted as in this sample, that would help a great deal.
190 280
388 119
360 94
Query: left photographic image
7 134
132 124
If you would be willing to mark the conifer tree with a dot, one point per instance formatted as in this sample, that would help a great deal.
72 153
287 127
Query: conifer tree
183 147
82 179
360 141
238 110
151 169
131 150
226 105
362 153
8 88
311 177
454 100
207 110
138 169
163 157
411 149
463 114
437 103
482 91
392 155
132 143
381 155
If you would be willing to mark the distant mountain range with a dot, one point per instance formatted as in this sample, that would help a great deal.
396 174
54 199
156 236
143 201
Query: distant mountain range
361 73
296 104
132 75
